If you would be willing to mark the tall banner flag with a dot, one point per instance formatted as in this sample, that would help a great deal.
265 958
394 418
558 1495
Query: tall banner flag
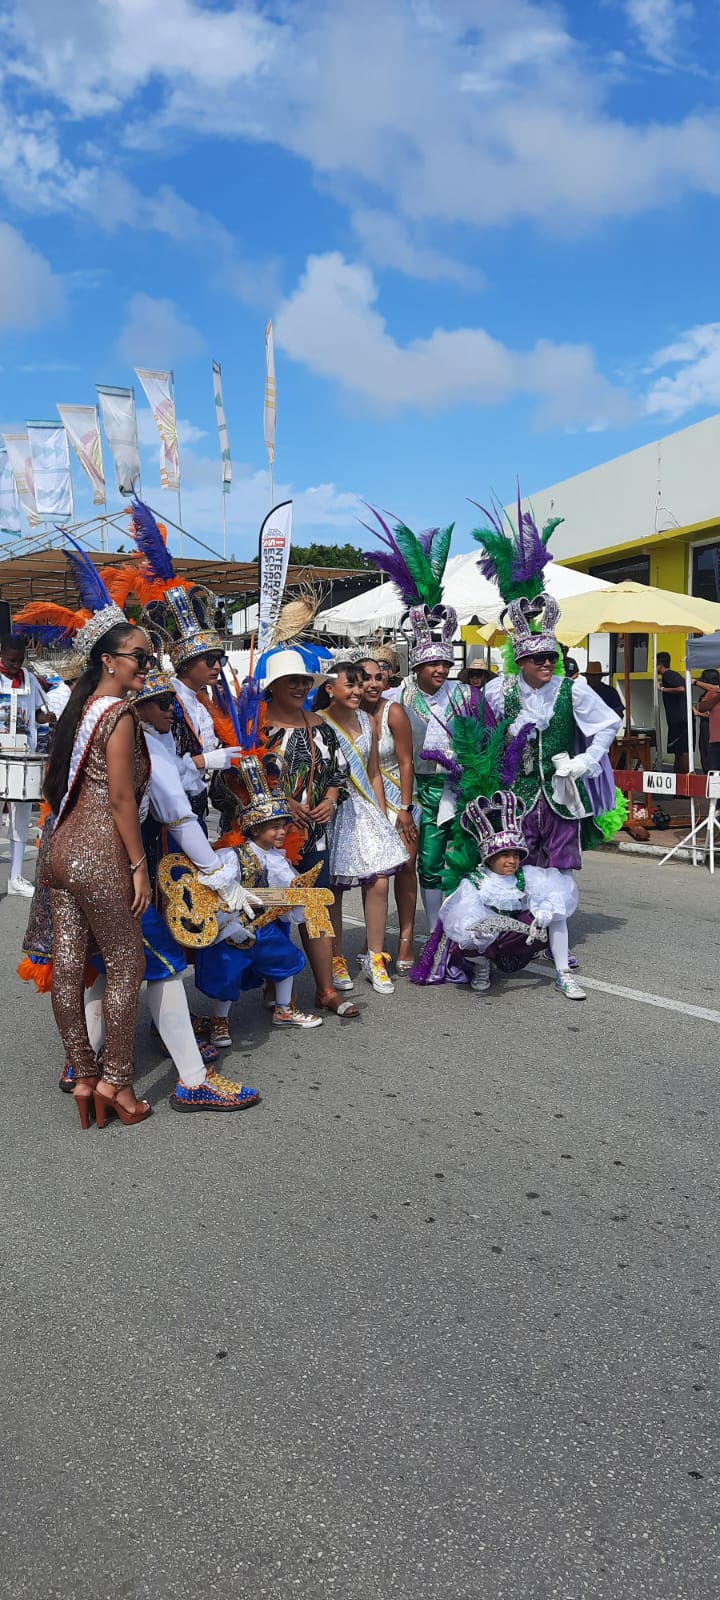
9 503
83 430
157 386
120 423
270 402
51 469
222 428
18 451
274 555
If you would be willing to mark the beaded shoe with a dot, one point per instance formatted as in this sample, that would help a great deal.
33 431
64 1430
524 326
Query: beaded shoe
290 1017
341 974
220 1033
375 972
213 1095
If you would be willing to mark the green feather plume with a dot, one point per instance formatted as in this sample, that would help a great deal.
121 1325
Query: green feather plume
419 566
440 550
479 753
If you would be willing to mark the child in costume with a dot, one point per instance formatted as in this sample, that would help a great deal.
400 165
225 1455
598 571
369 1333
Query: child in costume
500 911
225 971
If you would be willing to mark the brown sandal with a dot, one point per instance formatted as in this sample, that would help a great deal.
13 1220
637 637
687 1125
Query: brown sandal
330 1000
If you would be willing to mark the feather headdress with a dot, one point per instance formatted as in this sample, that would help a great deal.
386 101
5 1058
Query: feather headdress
416 564
516 557
48 623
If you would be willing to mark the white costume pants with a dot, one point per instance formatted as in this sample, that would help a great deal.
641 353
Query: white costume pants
171 1014
20 814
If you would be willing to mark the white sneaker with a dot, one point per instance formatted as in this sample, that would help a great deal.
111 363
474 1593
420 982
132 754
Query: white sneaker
21 886
290 1017
376 973
482 977
566 984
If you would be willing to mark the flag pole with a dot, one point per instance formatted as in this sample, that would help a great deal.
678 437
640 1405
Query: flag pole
172 381
224 500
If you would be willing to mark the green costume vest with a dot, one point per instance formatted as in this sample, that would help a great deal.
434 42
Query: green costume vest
536 767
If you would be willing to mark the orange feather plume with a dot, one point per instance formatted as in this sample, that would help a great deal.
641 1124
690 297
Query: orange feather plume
33 972
48 615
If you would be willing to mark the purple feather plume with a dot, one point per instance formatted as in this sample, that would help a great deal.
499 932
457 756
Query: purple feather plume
92 593
513 756
532 555
248 706
444 760
420 973
150 542
426 539
391 560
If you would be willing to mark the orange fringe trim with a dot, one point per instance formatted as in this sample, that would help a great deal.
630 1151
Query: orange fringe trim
32 972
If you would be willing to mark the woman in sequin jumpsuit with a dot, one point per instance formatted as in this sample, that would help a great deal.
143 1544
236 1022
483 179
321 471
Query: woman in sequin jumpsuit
96 870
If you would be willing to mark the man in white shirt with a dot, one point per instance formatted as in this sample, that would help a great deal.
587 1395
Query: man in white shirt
14 675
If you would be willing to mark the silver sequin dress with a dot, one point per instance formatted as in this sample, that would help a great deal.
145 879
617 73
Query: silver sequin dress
363 844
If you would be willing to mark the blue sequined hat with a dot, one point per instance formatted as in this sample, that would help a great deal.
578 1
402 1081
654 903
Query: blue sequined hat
187 621
156 682
262 805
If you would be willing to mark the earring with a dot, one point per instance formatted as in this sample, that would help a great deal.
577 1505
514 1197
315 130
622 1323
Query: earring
111 672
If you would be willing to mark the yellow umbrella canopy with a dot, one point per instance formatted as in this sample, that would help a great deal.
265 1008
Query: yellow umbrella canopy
635 608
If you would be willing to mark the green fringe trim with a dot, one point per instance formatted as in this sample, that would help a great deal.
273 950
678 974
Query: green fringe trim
605 826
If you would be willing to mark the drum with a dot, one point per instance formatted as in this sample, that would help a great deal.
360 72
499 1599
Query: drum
21 775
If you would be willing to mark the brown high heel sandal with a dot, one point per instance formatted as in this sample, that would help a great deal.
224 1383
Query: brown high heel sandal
83 1093
104 1103
330 1000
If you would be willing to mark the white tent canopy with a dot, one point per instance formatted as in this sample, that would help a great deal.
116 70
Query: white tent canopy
465 588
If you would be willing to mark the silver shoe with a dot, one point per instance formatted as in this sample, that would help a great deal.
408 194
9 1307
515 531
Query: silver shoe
482 976
568 985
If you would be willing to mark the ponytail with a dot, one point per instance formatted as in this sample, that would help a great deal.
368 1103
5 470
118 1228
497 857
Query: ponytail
58 767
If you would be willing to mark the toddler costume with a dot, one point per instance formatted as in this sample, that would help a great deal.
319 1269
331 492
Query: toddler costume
491 916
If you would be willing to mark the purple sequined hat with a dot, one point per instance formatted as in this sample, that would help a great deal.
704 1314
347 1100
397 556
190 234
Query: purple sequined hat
433 630
496 824
533 626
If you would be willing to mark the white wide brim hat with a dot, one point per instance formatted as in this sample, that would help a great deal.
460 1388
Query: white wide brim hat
290 664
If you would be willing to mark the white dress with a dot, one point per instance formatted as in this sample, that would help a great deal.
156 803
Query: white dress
548 894
364 844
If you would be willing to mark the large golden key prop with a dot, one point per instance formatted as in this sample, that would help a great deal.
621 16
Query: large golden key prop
191 909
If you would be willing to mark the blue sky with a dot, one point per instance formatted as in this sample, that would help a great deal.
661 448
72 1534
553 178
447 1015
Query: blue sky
486 232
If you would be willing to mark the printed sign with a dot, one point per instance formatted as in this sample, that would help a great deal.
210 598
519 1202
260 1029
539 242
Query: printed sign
275 537
659 783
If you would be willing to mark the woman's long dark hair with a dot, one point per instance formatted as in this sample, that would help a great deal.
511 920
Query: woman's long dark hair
350 670
58 767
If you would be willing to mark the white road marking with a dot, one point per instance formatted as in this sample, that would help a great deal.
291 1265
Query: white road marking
640 995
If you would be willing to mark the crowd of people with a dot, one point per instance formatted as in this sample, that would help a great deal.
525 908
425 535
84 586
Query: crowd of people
191 818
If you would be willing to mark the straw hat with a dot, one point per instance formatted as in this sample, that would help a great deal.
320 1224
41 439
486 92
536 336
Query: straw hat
290 664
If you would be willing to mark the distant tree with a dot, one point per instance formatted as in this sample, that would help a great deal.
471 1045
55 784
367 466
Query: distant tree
327 555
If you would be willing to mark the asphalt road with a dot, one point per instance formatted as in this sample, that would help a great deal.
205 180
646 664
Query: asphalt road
437 1319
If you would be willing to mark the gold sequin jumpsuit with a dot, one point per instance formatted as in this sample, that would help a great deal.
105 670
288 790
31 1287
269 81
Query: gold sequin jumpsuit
91 892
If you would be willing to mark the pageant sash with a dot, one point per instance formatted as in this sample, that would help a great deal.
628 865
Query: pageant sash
356 764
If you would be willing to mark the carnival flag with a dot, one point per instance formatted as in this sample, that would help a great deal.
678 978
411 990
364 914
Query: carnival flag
270 394
275 537
51 468
18 451
222 428
157 386
120 422
9 503
83 430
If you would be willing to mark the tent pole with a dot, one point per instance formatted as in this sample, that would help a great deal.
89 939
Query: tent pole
628 716
691 751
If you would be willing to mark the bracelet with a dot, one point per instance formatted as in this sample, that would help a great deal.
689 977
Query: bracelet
138 863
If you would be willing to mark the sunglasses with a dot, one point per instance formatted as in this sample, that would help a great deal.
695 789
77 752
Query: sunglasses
140 657
164 702
544 660
214 659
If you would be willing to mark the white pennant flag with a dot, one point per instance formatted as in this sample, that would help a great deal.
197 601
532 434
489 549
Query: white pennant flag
51 469
222 428
83 430
120 423
270 394
9 503
18 451
157 386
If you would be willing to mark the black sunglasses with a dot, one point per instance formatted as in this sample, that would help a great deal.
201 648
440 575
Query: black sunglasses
214 659
164 701
541 660
140 656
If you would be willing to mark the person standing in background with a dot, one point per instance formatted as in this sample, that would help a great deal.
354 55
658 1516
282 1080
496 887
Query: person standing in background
707 711
608 694
14 675
674 693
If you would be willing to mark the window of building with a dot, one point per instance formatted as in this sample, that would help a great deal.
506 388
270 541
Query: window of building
706 571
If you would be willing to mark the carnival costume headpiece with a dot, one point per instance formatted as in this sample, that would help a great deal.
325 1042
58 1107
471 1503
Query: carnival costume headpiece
156 683
99 612
258 804
416 564
180 611
515 559
496 824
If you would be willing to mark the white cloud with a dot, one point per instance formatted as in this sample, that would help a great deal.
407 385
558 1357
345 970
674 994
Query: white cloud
330 324
657 23
155 334
388 242
696 380
31 293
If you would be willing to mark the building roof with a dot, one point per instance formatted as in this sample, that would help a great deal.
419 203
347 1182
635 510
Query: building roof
45 575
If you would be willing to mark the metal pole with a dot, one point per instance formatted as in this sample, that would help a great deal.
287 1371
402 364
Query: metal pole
224 499
272 484
172 381
180 526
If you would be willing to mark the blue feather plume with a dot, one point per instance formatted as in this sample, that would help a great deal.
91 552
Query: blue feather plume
92 592
150 542
249 703
228 706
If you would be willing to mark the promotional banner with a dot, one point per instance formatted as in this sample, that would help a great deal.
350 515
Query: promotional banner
222 428
120 423
270 394
157 386
83 430
274 555
51 469
18 451
9 503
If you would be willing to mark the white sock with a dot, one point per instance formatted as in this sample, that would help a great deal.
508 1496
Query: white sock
94 1019
559 943
432 900
221 1008
283 991
171 1014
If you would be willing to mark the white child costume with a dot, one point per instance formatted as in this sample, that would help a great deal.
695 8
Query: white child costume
30 700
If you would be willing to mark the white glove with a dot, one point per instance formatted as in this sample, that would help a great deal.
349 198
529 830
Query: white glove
220 760
241 901
578 766
563 764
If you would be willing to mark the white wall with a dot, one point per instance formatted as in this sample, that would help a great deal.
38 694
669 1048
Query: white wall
668 484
